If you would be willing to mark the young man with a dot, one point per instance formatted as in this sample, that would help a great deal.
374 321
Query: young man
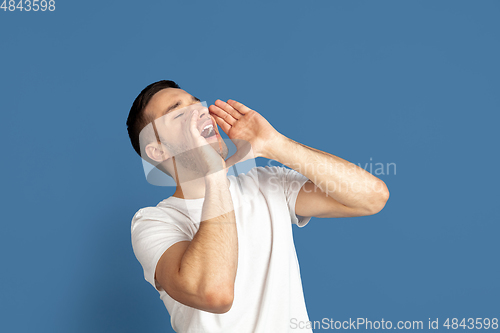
220 251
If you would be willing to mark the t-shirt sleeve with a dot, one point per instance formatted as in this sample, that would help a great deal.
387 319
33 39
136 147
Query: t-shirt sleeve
292 183
152 234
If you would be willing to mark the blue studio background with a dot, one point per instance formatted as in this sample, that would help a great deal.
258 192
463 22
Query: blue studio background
413 83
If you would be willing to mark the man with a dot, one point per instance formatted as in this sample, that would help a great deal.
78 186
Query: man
220 250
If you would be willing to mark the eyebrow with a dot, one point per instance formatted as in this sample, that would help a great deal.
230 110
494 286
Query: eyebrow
178 103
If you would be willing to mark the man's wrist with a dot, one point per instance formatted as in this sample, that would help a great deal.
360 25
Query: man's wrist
217 177
276 147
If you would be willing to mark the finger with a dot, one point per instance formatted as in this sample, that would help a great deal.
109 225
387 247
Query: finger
228 108
222 123
238 106
216 131
243 153
236 158
192 122
192 126
222 114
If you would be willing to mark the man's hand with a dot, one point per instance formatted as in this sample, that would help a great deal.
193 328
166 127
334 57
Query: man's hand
244 126
202 155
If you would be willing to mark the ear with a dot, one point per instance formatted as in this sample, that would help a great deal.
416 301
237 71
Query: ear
157 152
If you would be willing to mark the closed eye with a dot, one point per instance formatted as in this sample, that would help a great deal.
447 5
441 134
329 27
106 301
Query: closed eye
180 114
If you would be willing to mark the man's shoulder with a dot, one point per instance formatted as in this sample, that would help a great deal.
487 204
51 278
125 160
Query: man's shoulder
161 212
147 211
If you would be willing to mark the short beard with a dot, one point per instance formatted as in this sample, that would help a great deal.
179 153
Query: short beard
184 157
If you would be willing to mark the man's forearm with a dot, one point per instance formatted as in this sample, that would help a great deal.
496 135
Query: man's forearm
345 182
211 260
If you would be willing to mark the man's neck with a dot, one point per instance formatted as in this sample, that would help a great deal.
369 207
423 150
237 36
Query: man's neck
193 189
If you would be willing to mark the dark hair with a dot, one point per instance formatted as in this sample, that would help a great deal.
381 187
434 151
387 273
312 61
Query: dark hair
137 120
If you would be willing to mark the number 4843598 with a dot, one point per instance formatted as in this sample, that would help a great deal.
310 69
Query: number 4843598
28 5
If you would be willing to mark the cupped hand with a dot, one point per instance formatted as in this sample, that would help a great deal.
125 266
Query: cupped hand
244 127
200 153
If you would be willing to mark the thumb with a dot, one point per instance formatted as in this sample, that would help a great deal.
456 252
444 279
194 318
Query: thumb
243 153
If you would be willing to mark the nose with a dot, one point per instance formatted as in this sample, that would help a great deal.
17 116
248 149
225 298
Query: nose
203 111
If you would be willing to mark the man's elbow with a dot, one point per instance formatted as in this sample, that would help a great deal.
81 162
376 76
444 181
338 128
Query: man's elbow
379 200
219 300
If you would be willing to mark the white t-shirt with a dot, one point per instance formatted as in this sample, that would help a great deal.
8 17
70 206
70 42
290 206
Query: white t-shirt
268 295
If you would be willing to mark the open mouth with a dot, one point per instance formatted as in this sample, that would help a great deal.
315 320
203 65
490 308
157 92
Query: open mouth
208 131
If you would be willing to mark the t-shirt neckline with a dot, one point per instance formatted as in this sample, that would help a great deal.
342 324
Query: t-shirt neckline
198 200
